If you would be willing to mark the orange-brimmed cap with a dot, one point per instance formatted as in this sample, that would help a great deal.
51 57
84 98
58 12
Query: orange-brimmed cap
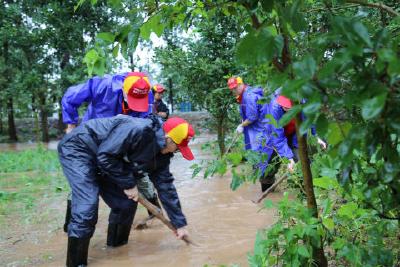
283 101
233 82
158 88
136 87
180 131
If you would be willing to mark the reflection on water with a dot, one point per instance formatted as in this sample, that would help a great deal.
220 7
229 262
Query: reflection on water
222 222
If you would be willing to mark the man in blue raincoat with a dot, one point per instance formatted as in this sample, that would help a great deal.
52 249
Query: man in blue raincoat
107 157
259 134
281 105
127 93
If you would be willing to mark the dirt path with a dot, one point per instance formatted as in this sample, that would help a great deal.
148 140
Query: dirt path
223 222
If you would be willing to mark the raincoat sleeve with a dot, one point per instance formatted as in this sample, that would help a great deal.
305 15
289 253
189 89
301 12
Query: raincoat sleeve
111 155
163 181
75 96
278 137
162 107
252 111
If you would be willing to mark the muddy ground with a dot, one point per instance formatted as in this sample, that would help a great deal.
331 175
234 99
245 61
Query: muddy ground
223 222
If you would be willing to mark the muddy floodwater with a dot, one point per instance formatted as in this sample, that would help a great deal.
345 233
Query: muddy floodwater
224 224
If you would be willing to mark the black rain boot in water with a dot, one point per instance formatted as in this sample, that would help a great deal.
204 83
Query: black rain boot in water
67 215
155 202
77 252
118 234
265 186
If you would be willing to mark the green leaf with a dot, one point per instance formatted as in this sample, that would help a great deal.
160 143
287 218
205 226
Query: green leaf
235 158
90 59
303 251
289 115
362 32
373 107
106 36
221 167
196 170
153 24
348 210
99 67
322 125
328 223
267 5
115 3
325 183
236 180
115 50
78 5
271 120
292 15
337 132
306 68
259 47
311 107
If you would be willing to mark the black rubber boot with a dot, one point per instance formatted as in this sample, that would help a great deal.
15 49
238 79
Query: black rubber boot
77 252
118 234
155 202
67 215
265 186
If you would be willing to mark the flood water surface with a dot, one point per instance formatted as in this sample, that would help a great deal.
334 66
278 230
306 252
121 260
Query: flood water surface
222 222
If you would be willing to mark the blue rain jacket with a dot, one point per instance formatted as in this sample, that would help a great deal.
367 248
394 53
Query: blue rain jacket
252 111
104 95
105 156
261 135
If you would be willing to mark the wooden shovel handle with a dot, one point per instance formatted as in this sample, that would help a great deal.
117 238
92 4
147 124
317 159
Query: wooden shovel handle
158 213
269 190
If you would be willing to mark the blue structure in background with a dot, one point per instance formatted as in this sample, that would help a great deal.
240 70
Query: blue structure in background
185 107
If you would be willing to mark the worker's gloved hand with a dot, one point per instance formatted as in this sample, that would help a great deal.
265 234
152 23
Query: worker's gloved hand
162 114
182 232
290 165
239 129
70 127
132 193
321 143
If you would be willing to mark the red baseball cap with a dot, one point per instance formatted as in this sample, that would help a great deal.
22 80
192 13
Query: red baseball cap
284 101
233 82
180 131
136 87
158 88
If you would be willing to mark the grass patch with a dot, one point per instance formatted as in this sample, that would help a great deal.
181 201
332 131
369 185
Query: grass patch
29 179
39 159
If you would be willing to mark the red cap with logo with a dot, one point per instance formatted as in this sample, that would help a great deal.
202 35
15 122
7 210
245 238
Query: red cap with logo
158 88
180 131
233 82
283 101
136 87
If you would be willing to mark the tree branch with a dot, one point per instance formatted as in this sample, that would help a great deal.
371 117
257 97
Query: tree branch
375 5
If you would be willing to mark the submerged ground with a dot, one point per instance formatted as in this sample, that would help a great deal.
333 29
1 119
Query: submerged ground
224 223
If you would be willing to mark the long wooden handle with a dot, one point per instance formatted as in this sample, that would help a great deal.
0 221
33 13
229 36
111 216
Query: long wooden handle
158 213
269 190
235 137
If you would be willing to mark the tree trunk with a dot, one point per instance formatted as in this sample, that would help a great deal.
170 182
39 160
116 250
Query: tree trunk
318 252
35 112
60 124
171 99
43 118
1 118
12 131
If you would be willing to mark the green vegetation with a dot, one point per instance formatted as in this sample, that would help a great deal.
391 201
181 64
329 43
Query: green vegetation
27 179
